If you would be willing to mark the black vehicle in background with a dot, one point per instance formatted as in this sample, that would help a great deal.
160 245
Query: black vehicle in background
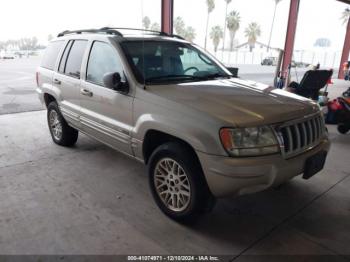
269 61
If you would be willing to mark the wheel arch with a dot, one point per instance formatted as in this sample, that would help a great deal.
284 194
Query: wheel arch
48 98
154 138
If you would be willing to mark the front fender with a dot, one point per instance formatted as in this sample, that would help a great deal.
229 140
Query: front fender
199 137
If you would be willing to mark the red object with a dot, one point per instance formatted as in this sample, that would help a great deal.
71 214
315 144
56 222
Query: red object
334 105
167 16
291 29
345 53
329 82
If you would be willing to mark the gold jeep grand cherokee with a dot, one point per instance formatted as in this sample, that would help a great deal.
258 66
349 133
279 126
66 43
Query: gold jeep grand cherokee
202 132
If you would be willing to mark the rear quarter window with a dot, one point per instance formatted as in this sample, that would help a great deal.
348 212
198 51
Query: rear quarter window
51 54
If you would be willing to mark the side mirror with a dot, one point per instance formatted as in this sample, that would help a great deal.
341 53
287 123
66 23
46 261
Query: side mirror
114 81
233 71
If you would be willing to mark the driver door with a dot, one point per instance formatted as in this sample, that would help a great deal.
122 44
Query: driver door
105 113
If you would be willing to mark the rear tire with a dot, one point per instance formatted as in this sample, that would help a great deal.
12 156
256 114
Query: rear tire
62 134
178 184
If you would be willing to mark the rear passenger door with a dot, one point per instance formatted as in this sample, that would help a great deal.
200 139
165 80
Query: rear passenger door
106 114
67 80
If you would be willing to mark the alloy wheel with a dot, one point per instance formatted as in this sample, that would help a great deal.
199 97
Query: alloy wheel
172 184
55 125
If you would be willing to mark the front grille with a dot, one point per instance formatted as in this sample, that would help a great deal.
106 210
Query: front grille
300 136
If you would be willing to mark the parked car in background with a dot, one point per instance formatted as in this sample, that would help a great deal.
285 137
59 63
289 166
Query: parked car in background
8 56
270 61
166 102
301 64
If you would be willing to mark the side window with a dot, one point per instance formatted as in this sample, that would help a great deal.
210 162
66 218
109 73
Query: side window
64 57
51 54
75 58
103 59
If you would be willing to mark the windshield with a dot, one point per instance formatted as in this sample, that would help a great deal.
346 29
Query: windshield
160 62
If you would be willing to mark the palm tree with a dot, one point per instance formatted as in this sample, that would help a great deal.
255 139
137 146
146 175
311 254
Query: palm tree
146 22
179 26
273 22
233 21
345 16
216 34
223 40
252 32
211 6
190 34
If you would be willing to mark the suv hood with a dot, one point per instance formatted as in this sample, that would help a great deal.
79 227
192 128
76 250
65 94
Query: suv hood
238 102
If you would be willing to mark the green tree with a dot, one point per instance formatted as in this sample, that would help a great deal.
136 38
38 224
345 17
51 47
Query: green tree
216 35
155 27
273 23
11 44
28 43
345 15
233 22
223 40
190 34
146 22
252 32
179 26
210 6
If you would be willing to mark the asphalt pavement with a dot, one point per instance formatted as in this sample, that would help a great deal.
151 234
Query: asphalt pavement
17 85
92 200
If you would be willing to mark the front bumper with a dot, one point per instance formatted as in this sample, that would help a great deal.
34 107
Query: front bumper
229 176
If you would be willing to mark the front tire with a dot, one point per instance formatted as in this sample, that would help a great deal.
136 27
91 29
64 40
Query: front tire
177 183
62 134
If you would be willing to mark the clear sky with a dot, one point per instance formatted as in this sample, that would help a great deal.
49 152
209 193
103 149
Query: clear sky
25 18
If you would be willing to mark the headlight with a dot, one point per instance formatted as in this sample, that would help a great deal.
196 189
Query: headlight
251 141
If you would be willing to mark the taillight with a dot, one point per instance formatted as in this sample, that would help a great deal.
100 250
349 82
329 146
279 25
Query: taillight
37 78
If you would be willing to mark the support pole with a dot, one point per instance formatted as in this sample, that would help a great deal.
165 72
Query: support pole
290 37
278 66
345 53
167 16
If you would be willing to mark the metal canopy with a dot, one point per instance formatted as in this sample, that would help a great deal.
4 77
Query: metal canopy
344 1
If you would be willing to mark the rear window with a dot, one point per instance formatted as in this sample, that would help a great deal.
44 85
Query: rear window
51 54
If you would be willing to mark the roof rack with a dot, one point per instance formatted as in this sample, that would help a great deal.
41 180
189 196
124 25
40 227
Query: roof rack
106 31
114 31
135 29
143 30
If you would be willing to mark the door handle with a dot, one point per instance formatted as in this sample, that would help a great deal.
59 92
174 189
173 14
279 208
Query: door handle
56 81
86 92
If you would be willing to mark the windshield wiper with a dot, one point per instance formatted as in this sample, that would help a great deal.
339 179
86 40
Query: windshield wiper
184 77
172 78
